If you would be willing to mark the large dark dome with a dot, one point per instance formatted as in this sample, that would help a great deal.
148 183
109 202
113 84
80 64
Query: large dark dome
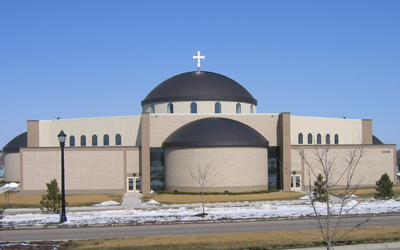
199 86
20 141
215 132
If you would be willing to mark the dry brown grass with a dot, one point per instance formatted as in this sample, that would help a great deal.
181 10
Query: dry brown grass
19 200
179 199
260 240
369 192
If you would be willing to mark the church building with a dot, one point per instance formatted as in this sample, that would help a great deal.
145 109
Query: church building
194 118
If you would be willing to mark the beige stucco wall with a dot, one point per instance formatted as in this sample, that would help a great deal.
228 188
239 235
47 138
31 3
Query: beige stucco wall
375 161
349 130
162 125
203 107
12 166
127 126
239 168
90 169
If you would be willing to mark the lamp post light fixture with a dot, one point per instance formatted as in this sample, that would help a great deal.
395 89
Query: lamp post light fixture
61 138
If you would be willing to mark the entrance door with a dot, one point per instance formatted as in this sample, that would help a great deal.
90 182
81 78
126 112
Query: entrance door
134 184
295 182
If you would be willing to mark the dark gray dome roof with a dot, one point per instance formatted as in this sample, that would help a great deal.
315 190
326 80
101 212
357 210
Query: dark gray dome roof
215 132
375 140
199 86
20 141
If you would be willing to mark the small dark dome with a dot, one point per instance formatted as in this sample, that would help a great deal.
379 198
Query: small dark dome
20 141
215 132
199 86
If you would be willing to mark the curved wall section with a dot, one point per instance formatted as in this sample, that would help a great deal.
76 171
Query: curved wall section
12 167
239 168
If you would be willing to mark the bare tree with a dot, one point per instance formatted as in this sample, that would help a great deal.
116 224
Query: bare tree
204 175
338 169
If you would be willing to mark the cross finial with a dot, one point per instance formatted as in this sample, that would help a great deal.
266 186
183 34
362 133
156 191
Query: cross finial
198 57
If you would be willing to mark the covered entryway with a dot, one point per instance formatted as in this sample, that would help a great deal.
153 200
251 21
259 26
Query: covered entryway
295 182
134 184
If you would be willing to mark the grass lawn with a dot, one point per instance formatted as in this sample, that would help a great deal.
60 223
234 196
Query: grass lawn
77 200
369 192
254 240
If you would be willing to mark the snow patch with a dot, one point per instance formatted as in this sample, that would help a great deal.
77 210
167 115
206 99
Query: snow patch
106 203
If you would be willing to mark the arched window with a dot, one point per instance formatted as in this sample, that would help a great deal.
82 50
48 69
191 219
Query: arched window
217 107
193 108
300 139
238 108
83 140
170 108
106 140
336 139
251 109
117 139
319 139
309 139
328 139
94 140
72 141
153 110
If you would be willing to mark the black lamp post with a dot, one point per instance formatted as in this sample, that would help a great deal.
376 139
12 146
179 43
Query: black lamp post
61 138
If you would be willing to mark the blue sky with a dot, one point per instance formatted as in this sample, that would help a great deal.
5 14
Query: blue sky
76 59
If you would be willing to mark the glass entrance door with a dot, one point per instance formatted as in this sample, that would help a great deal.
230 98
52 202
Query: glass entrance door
295 182
134 184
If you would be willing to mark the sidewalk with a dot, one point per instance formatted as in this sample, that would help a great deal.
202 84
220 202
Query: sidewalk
375 246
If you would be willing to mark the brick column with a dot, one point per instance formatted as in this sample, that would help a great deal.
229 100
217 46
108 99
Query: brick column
284 151
366 131
145 152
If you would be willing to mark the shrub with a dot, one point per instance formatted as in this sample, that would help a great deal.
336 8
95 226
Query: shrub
320 190
384 188
51 202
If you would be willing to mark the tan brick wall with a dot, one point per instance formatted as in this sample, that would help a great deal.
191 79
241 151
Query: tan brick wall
88 169
350 131
376 160
46 131
238 168
165 124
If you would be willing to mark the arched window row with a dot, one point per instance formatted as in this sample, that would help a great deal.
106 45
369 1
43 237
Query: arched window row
193 108
106 140
310 139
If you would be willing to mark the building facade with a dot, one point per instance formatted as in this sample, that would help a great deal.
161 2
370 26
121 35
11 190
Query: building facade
190 119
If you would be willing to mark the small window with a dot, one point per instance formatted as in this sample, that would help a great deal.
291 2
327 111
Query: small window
328 139
170 108
118 139
153 110
238 108
94 140
251 109
300 139
218 108
319 139
193 108
83 140
106 140
309 138
72 141
336 139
